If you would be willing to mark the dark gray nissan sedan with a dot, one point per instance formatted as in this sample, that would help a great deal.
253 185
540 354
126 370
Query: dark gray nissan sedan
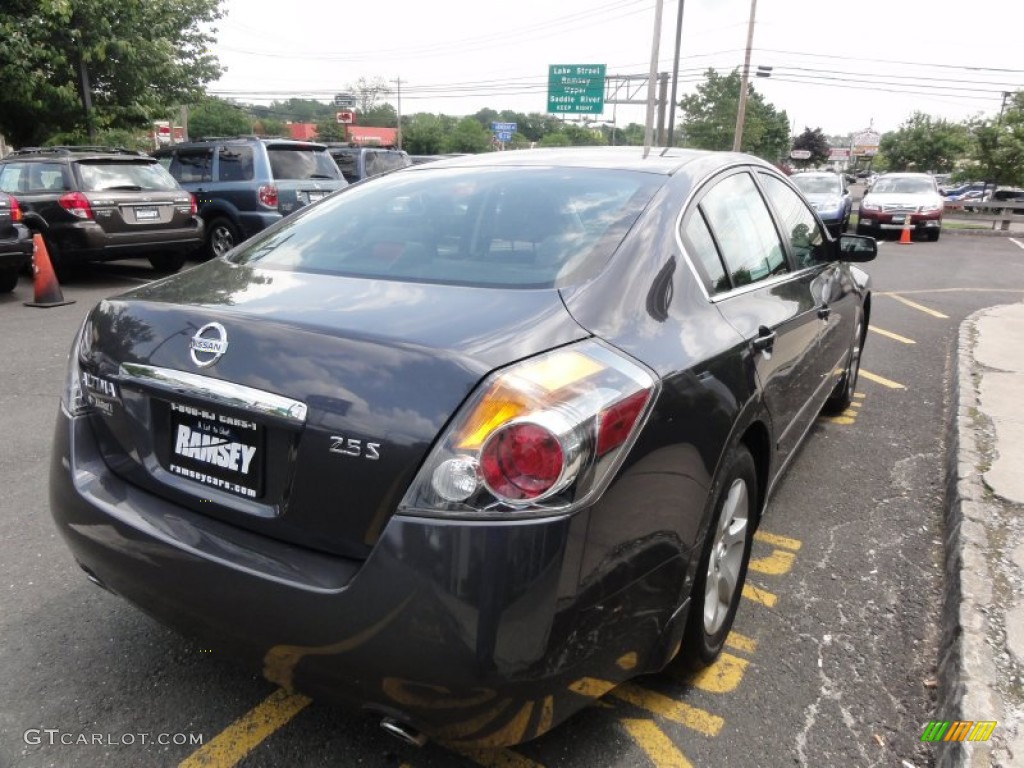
470 445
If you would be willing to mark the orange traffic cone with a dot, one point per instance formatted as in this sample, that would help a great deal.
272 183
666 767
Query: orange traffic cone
47 289
905 233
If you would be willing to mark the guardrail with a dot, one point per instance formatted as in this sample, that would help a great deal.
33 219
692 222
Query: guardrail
1002 213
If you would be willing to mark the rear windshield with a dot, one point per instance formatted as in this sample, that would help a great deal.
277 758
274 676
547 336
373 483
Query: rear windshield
298 163
909 186
512 227
103 175
817 185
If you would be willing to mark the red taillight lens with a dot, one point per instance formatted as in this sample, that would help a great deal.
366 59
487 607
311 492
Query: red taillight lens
15 211
193 208
615 423
521 461
76 204
268 195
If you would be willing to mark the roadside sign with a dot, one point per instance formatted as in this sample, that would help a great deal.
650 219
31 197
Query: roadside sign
504 127
503 135
345 118
345 100
800 154
576 88
866 143
839 153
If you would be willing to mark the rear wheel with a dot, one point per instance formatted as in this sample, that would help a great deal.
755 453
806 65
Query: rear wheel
221 237
8 279
842 395
167 262
723 564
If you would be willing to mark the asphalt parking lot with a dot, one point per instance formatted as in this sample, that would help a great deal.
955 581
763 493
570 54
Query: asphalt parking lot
831 662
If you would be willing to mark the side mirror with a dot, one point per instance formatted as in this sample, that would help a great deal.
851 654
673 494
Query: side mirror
857 248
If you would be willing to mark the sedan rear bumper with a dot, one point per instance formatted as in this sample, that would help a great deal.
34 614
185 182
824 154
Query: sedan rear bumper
474 632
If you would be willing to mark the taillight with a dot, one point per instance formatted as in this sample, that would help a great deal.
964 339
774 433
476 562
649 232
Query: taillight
15 211
76 204
543 436
268 195
193 208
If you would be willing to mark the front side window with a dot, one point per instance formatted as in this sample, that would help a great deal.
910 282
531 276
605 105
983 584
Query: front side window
299 163
798 222
513 227
743 227
191 166
102 175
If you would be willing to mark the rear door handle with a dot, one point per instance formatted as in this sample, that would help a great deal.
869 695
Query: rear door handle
764 340
824 311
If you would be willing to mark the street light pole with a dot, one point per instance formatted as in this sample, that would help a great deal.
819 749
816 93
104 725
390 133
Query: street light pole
675 77
652 76
741 110
398 133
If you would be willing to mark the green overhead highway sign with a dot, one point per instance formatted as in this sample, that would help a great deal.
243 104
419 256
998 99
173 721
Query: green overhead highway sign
576 88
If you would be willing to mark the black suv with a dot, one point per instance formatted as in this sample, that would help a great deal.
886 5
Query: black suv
98 204
15 243
245 183
358 163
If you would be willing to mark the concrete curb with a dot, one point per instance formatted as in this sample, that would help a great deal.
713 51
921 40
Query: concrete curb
950 231
972 617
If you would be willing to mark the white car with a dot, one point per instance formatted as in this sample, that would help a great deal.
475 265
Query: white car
897 200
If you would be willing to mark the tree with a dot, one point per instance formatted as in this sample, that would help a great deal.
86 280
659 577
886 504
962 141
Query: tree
709 118
423 134
217 117
381 116
368 90
269 126
923 143
140 62
814 142
998 145
468 136
329 129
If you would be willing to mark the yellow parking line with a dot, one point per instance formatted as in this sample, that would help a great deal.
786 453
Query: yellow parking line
859 395
846 418
775 564
741 642
656 745
723 676
761 596
856 405
591 686
778 541
694 718
919 307
881 380
891 335
232 744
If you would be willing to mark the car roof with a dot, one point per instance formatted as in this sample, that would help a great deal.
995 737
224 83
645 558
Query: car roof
49 154
206 141
666 161
908 174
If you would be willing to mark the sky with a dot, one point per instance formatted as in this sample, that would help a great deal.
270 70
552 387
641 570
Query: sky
841 67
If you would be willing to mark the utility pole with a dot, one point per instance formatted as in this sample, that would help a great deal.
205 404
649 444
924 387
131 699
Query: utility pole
398 133
652 76
741 111
675 77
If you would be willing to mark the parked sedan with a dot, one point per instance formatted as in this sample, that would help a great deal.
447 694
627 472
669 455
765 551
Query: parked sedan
15 243
898 200
469 445
828 195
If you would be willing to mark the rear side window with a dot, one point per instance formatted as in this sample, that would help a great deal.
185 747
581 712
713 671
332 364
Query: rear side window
347 163
190 166
34 178
744 229
99 175
235 164
298 163
382 162
701 246
514 227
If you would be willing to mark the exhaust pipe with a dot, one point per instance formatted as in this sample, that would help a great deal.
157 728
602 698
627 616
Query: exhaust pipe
403 732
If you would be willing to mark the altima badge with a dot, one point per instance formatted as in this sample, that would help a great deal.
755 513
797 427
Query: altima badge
211 340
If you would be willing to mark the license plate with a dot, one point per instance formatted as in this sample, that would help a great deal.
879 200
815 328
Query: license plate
216 450
898 219
314 196
145 214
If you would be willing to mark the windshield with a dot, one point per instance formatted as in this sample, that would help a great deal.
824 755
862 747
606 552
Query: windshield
516 227
99 176
299 163
905 185
817 185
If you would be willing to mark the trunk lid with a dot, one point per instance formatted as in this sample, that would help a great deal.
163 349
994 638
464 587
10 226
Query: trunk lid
325 401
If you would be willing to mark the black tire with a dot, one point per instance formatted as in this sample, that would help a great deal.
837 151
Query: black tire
723 562
8 279
842 395
167 262
221 237
933 235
